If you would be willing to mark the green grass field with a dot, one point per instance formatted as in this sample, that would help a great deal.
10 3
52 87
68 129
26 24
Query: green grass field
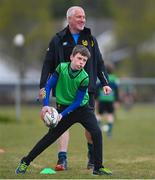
130 153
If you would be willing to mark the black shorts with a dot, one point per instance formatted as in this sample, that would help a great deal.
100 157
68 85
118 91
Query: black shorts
105 107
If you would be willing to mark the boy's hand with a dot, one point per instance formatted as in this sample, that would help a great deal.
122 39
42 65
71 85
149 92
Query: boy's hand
107 90
44 110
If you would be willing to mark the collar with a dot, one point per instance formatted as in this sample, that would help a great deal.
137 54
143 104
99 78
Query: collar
66 30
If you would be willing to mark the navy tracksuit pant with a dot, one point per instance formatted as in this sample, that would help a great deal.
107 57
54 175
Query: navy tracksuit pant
83 115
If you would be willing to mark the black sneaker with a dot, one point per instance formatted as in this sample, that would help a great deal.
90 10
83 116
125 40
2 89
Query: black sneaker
61 165
102 171
21 169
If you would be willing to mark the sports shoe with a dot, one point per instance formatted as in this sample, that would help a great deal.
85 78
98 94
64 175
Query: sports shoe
21 169
90 165
102 171
61 165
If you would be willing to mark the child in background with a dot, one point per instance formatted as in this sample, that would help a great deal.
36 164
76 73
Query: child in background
106 104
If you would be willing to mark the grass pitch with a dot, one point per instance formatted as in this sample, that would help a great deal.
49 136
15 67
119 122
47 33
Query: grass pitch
130 153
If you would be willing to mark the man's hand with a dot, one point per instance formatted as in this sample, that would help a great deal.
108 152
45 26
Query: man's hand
44 110
107 90
42 94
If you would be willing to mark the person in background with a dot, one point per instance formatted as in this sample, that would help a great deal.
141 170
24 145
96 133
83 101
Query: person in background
106 104
59 50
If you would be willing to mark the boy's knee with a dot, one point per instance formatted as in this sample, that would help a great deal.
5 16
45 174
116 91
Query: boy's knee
97 133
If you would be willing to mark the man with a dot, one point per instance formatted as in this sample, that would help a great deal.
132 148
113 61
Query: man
60 48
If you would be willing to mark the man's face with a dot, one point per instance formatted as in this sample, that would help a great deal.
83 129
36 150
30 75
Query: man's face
77 20
78 61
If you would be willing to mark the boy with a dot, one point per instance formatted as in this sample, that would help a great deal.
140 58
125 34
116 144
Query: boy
71 82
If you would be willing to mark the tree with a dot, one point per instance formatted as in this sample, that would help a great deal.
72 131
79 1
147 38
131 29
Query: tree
135 25
32 19
97 8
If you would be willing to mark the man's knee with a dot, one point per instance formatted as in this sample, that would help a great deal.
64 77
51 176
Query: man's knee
63 141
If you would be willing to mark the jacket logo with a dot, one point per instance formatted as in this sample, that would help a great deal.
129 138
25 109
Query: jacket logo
85 42
64 43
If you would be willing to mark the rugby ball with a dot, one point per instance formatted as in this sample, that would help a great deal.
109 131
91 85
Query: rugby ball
51 119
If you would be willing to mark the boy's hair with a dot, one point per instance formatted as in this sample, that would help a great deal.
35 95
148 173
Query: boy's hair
82 50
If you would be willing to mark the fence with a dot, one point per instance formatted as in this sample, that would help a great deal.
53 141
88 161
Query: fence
142 90
130 91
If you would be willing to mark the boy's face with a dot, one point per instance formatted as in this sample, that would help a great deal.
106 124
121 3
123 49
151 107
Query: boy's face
78 61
